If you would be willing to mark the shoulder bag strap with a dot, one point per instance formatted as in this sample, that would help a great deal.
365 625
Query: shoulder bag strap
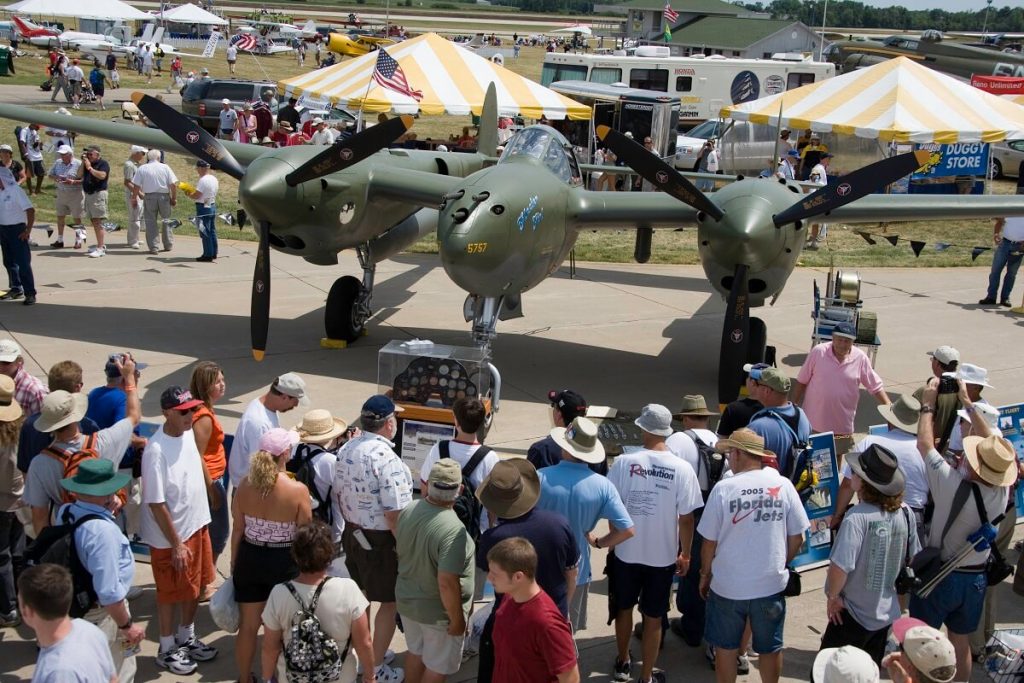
295 594
700 461
316 593
959 498
444 448
906 517
475 461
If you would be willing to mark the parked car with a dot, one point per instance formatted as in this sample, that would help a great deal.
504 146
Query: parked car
689 145
201 99
1006 158
744 148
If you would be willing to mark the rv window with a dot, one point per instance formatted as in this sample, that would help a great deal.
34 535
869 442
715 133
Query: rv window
795 80
605 75
649 79
562 72
684 83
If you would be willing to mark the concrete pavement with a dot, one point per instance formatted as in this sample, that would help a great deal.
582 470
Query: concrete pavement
623 335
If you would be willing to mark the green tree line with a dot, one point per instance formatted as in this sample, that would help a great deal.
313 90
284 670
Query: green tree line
849 14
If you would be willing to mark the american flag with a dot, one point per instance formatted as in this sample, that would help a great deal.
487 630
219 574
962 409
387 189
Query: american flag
246 42
390 75
670 14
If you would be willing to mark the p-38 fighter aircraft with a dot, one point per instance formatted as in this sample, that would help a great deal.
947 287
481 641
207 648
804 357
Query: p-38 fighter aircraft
503 228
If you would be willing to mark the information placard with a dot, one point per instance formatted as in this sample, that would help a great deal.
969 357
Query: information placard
418 438
821 504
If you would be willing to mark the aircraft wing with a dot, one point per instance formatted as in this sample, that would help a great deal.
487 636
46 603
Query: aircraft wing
882 208
414 187
589 210
121 132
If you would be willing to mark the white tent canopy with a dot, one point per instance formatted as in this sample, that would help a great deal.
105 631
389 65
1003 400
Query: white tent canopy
94 9
191 14
575 28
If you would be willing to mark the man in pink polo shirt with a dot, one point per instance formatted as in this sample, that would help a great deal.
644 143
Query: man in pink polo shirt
828 385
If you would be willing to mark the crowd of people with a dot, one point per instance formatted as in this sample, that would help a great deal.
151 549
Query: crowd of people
322 522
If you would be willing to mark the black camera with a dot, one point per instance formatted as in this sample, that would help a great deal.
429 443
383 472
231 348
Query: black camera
907 581
948 383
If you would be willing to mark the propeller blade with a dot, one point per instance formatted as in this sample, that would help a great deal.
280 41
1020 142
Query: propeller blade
259 313
345 153
853 186
735 338
657 172
186 133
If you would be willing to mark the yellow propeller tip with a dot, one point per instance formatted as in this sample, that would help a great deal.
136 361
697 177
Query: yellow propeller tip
258 354
602 131
408 120
137 97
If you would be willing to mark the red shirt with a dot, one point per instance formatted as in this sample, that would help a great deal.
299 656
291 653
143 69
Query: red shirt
532 641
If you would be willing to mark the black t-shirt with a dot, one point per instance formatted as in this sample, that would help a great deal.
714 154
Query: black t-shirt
288 113
737 415
90 184
111 62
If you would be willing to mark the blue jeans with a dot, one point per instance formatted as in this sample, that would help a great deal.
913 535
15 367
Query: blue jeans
208 229
219 519
17 257
956 602
1008 255
726 620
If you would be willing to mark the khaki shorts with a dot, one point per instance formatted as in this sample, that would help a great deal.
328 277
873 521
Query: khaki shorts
440 652
96 204
69 204
174 586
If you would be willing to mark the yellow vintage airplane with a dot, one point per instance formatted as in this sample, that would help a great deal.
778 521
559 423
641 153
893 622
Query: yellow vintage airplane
355 44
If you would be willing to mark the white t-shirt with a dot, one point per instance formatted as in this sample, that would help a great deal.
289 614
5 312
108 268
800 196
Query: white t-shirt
340 603
711 162
155 176
232 53
461 453
33 150
751 516
256 421
657 488
904 447
13 204
208 186
147 58
818 175
172 473
1013 228
683 447
74 73
323 137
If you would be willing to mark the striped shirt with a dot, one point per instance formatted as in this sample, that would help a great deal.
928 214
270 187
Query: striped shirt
29 392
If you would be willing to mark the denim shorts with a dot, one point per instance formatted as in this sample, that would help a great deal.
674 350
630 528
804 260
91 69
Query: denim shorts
956 602
725 620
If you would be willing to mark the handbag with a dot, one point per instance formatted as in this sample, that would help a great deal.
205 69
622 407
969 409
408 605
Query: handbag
997 569
928 561
793 584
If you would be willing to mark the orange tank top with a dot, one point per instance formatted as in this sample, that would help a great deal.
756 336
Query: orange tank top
214 456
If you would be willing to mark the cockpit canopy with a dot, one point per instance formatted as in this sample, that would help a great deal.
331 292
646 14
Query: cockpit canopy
546 146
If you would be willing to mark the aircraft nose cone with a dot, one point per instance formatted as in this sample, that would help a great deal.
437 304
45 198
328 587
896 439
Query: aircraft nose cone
264 193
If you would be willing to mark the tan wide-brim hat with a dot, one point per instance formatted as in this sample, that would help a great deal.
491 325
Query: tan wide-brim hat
904 413
511 489
992 458
10 409
580 439
746 440
61 408
320 427
694 405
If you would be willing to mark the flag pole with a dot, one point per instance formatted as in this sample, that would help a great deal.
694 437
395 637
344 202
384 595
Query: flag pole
362 102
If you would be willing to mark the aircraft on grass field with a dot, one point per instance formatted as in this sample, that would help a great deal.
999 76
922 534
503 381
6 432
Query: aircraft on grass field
354 44
503 228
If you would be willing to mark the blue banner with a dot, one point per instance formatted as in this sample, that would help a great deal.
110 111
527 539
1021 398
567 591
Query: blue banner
1011 423
962 158
821 505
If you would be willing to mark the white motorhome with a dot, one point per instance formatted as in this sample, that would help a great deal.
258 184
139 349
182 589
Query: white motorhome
703 84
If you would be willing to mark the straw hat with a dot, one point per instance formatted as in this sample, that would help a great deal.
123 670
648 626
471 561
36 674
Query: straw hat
694 405
746 440
580 440
511 489
10 410
904 413
992 457
320 427
61 408
880 468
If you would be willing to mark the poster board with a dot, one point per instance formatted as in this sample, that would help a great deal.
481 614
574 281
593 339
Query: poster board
418 437
1011 423
821 505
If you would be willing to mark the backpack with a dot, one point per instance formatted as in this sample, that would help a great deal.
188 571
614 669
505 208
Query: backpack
311 656
95 78
17 134
302 467
72 459
467 506
56 545
799 452
712 461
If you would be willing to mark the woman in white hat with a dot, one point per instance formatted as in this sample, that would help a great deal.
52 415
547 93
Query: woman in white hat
320 436
11 486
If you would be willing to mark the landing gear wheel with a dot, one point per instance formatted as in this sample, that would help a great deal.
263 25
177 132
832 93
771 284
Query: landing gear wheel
758 336
343 318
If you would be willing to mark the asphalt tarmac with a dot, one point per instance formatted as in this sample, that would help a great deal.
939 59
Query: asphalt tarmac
622 335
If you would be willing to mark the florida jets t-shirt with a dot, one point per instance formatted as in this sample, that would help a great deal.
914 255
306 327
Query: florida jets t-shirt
656 487
750 516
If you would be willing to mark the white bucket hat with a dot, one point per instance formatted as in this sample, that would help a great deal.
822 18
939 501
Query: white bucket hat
580 440
973 374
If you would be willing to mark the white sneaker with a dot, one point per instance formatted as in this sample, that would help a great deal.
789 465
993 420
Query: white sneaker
92 248
97 252
176 661
389 656
137 245
387 674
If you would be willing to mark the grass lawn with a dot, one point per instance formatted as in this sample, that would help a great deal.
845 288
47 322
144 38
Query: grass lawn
843 247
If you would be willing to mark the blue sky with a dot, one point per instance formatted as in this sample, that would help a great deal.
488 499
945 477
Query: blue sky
958 5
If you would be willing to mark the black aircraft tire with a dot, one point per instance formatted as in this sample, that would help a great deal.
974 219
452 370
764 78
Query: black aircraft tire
340 319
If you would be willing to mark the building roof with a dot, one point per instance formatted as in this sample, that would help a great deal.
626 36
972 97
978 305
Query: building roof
688 6
728 32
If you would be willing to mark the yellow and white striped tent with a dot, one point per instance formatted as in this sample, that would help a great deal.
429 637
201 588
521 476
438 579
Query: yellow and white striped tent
453 81
896 100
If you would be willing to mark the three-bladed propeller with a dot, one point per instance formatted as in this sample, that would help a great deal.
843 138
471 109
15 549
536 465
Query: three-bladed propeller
339 156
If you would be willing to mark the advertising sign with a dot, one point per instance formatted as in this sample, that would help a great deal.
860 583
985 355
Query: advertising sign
998 85
1011 424
820 505
962 158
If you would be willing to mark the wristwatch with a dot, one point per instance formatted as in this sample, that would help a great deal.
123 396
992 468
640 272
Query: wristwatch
927 409
127 625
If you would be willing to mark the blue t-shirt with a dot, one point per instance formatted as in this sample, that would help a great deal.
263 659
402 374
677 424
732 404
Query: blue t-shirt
82 656
778 437
31 441
583 498
551 537
107 405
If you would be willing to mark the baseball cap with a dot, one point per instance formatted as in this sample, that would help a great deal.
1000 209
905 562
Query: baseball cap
225 101
845 329
290 384
136 149
771 378
845 664
945 355
378 407
204 70
64 149
754 366
111 370
202 164
9 351
827 155
446 474
928 649
655 419
6 148
317 120
277 440
793 153
570 404
178 398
